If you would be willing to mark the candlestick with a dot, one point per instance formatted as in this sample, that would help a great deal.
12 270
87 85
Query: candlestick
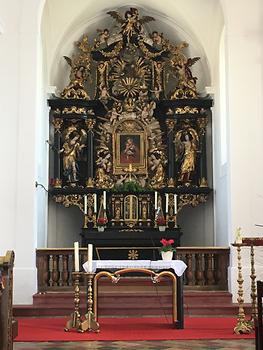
76 256
175 204
166 202
85 204
95 203
155 200
104 200
90 251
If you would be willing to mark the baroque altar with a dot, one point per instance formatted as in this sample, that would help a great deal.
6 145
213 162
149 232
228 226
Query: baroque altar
128 138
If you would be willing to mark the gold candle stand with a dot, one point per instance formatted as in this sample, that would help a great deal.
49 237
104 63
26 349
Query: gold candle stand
75 321
89 323
253 294
242 326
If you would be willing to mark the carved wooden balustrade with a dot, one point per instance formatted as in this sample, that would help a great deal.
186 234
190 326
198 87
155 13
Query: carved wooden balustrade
207 267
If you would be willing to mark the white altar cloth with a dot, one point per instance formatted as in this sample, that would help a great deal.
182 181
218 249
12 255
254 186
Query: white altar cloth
177 265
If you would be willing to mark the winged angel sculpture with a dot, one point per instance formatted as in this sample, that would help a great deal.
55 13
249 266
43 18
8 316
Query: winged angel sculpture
80 71
131 24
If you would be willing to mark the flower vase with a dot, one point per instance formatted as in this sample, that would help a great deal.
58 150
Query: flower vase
101 228
162 228
167 255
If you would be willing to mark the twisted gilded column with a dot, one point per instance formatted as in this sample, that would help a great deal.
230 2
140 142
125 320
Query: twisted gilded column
170 123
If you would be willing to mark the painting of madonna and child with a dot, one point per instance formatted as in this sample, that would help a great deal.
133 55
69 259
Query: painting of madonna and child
130 149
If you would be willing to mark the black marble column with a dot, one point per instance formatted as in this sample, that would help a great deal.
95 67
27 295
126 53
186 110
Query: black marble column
57 122
202 122
90 149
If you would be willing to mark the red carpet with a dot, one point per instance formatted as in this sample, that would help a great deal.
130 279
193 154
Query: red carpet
52 329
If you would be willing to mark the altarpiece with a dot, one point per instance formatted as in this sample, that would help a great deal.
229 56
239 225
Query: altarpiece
128 136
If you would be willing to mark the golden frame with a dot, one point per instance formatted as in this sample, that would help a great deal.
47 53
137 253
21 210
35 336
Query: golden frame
138 159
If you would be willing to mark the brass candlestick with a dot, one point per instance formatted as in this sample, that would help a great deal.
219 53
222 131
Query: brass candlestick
90 324
242 325
75 322
253 288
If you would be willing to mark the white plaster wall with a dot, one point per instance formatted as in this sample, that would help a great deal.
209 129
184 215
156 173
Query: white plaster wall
18 109
244 80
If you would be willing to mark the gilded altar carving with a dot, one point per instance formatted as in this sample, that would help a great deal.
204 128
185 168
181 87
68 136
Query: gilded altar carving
187 141
191 199
57 123
80 66
69 200
124 132
74 142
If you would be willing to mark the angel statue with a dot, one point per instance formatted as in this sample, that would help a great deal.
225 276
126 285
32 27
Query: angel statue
186 148
156 162
74 142
80 71
131 25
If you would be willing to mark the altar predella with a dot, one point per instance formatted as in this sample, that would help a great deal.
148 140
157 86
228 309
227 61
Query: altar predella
129 137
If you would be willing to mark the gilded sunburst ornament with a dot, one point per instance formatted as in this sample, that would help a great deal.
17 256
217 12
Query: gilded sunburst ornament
128 87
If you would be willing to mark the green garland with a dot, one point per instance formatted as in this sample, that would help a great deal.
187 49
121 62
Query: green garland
131 186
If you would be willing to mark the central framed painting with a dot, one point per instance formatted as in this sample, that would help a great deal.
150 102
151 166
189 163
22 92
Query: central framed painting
129 151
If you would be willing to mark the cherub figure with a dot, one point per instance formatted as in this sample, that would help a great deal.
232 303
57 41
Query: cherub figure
102 41
157 39
102 73
114 115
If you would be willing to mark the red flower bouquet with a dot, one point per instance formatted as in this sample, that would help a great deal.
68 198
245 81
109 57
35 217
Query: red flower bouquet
167 245
160 221
102 221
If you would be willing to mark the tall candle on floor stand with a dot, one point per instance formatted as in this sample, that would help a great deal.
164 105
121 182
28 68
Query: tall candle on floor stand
155 200
76 256
90 251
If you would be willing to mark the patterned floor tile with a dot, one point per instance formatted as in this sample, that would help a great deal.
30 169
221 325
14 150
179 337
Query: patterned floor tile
244 344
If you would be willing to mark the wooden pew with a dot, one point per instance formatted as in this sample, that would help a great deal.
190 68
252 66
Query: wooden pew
259 325
8 326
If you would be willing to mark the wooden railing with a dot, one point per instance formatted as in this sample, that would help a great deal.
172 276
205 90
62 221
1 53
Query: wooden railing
207 267
8 326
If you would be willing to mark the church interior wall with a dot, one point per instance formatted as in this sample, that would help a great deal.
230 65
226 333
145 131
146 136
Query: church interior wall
21 101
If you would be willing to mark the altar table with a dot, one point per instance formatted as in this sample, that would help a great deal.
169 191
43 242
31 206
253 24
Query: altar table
173 269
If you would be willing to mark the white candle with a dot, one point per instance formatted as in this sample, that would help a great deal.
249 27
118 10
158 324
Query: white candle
175 204
85 204
76 256
95 203
166 202
104 199
155 200
90 251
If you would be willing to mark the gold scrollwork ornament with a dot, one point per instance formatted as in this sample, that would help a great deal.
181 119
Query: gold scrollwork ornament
191 199
70 200
57 123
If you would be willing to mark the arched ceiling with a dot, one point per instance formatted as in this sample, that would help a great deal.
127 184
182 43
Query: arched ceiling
198 23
